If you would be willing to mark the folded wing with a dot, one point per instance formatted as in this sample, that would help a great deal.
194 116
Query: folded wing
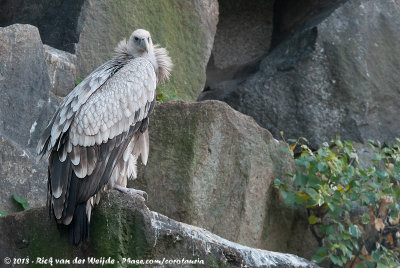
97 124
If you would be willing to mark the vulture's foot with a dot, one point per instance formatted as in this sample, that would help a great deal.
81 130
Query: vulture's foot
131 191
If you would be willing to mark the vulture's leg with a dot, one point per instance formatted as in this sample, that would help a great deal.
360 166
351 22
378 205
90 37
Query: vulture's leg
131 191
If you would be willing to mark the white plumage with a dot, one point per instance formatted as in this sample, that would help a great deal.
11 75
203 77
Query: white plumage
100 130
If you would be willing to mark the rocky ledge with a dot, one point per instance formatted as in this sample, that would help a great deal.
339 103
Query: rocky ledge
124 230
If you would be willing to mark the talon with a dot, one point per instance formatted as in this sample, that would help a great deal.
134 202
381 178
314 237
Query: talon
141 193
131 191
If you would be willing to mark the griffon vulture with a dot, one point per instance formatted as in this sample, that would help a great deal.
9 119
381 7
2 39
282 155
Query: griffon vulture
100 129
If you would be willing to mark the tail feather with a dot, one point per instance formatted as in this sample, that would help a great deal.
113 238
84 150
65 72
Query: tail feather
79 227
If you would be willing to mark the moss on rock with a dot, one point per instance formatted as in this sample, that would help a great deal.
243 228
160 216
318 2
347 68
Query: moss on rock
174 24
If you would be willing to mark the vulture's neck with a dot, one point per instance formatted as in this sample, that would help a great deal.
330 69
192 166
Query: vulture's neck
159 58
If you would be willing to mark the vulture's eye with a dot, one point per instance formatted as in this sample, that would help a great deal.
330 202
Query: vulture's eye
136 38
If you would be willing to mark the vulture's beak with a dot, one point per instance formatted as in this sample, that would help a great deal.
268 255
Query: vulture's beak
145 45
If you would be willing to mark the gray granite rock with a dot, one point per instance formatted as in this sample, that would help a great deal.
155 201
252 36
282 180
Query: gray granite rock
25 108
243 38
336 76
214 167
22 176
123 230
61 67
25 102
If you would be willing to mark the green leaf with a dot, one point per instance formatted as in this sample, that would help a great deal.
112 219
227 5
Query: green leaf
344 180
314 181
374 185
365 218
302 163
337 194
289 198
3 213
21 201
339 143
312 219
300 179
320 255
278 182
321 167
335 210
381 173
394 213
377 157
285 150
353 196
360 265
336 260
312 193
78 81
299 200
354 231
376 256
327 229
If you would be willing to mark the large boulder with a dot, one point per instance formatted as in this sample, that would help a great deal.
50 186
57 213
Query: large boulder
25 102
125 232
339 75
61 67
185 28
25 108
213 167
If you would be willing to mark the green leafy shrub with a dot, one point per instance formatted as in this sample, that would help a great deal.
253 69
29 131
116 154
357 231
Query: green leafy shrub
353 211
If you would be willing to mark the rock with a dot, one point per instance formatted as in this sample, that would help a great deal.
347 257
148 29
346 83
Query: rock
209 14
248 30
339 77
20 175
123 229
57 20
242 40
25 102
243 30
365 155
291 16
91 29
213 167
61 67
185 28
25 108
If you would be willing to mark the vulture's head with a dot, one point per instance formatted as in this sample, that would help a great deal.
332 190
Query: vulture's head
140 42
